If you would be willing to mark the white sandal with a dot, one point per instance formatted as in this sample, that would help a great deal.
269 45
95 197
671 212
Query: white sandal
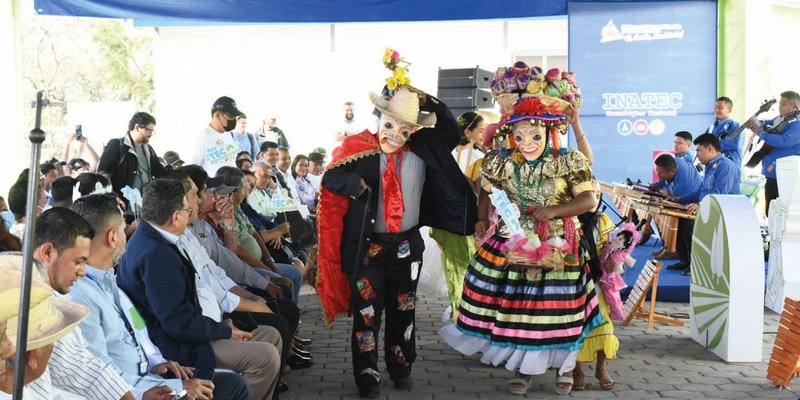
520 384
564 379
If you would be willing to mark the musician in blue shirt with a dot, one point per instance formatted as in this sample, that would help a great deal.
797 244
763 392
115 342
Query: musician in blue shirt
681 178
681 145
783 134
725 125
721 177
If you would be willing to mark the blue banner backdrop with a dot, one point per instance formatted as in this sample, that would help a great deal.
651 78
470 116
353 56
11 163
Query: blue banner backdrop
646 71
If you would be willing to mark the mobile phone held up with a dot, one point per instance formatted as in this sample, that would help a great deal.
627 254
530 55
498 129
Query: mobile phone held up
78 132
183 395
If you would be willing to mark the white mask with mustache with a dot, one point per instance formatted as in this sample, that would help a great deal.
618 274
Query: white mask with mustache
393 133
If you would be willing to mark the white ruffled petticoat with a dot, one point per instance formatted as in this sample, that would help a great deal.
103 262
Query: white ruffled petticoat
528 362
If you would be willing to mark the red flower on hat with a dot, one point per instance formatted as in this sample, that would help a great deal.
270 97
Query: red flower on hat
534 105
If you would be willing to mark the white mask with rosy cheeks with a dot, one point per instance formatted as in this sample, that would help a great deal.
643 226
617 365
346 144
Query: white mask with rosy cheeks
393 133
530 139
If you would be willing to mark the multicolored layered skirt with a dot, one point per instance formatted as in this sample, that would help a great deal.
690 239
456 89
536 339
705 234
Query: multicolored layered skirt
530 324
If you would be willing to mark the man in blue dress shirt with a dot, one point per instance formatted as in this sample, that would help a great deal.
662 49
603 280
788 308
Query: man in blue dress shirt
721 177
783 134
725 125
108 331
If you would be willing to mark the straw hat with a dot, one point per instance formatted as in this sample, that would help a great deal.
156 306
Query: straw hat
50 317
404 105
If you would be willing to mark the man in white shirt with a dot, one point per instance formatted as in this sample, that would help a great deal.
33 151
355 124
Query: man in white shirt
215 147
350 125
284 162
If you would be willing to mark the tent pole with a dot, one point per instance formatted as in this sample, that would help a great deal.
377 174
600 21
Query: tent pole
21 359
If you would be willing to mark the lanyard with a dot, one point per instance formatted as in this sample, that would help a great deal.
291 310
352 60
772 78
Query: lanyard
143 362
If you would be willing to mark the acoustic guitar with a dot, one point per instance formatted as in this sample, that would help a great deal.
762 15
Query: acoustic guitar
762 148
765 106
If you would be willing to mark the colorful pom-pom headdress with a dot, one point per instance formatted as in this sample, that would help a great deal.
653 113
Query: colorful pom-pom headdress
526 93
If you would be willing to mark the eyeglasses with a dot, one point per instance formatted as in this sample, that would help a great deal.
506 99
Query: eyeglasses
151 131
190 210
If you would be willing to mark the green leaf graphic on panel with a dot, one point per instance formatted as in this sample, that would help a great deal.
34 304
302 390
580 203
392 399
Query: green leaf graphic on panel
710 273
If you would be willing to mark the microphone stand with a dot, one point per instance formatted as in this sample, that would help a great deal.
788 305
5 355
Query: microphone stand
36 137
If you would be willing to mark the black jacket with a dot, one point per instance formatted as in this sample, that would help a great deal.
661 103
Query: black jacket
120 164
448 201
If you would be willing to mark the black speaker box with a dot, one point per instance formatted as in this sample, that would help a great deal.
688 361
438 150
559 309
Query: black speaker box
465 78
466 98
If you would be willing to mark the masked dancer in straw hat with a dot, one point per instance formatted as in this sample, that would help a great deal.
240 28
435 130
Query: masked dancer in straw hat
376 192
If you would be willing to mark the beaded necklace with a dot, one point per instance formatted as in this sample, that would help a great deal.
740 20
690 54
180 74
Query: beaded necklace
537 187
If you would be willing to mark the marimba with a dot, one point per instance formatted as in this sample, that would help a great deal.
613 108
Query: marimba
665 217
630 200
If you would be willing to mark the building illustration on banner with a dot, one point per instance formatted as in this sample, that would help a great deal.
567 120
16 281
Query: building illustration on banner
640 32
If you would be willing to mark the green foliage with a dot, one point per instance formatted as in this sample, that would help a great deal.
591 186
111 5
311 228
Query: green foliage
85 59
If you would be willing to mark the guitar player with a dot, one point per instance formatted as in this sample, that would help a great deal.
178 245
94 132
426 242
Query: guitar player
782 134
724 125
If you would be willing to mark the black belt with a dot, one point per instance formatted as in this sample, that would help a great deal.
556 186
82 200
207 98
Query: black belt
393 238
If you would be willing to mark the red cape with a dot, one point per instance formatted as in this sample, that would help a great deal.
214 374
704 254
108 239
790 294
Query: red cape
333 287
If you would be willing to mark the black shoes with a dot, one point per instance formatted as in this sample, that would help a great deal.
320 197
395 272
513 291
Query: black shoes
295 361
678 266
302 342
281 387
367 386
403 383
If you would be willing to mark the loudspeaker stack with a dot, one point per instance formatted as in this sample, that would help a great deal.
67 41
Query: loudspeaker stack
465 89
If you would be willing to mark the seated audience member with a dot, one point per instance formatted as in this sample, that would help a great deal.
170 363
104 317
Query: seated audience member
721 177
6 214
270 154
265 185
283 165
90 182
305 190
172 160
9 242
78 166
214 285
17 203
160 280
241 273
245 155
61 244
243 164
61 191
49 174
251 244
108 331
50 318
316 163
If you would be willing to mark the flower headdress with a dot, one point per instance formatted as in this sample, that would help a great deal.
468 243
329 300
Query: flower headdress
399 67
511 84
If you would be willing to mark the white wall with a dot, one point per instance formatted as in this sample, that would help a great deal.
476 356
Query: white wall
302 73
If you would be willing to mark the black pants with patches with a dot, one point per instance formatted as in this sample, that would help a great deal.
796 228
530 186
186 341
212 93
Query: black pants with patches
384 281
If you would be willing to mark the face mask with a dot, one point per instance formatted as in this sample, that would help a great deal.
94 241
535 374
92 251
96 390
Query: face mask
230 125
